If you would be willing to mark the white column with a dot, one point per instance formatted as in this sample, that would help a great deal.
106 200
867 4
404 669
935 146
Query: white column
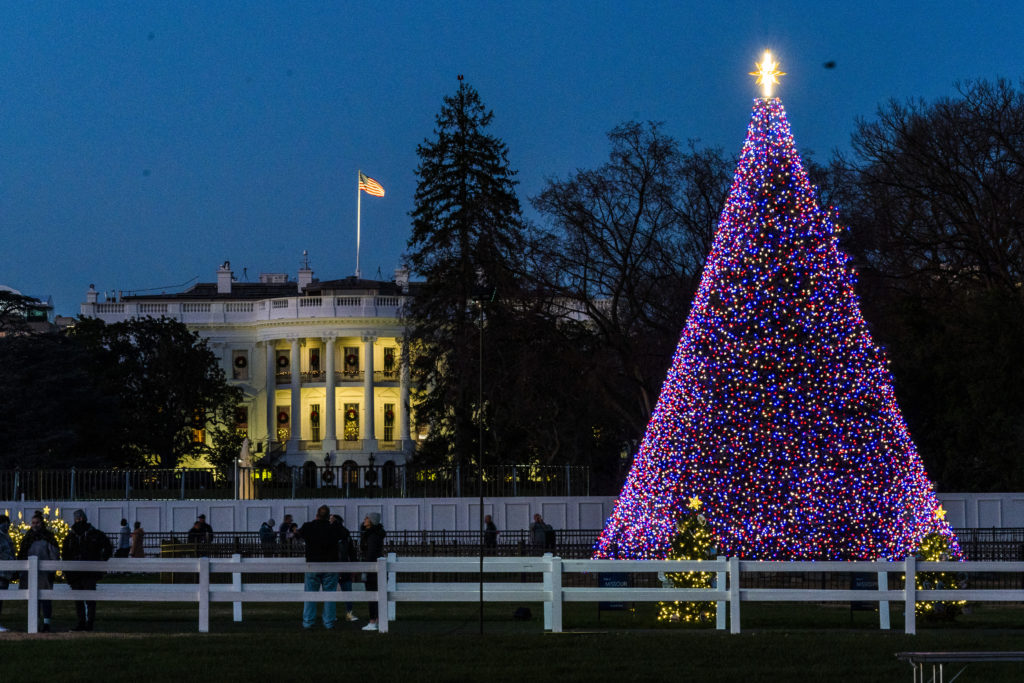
271 407
403 394
330 429
296 365
369 442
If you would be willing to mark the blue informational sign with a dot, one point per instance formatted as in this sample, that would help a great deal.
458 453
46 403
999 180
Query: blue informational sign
612 580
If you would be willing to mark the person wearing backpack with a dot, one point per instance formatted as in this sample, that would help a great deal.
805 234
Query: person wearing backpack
40 542
85 543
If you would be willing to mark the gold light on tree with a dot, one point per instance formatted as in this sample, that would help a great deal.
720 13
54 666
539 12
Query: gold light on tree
767 74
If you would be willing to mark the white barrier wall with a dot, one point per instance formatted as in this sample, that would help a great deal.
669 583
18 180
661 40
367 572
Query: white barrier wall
398 514
970 510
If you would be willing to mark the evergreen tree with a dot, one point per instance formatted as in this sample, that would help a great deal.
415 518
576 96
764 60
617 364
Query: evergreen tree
693 541
778 409
466 239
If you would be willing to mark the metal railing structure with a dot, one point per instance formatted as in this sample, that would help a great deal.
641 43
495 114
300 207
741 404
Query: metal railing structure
551 580
298 482
569 543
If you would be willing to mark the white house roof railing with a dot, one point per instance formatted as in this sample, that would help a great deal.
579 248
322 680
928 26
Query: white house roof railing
205 312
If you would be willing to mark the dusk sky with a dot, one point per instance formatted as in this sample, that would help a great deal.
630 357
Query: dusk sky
144 143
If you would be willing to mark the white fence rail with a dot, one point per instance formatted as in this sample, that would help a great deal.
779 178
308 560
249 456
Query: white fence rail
728 593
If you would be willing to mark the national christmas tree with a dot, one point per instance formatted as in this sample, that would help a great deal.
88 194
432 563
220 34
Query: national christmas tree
778 411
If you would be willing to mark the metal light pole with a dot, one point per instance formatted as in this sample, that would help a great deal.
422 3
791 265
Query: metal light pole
480 460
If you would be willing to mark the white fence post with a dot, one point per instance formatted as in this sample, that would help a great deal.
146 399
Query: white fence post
204 594
236 585
548 586
556 594
734 595
392 587
33 594
910 591
720 605
883 605
382 594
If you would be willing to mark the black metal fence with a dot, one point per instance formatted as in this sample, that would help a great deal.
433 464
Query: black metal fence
300 482
568 543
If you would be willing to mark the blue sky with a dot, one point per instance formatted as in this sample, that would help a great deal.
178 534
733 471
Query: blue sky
144 143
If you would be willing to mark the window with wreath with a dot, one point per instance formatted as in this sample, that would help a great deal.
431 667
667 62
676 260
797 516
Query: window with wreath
242 420
314 422
350 360
283 364
389 421
240 364
284 423
350 419
390 366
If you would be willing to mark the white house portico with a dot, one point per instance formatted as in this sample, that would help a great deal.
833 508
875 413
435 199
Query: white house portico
322 365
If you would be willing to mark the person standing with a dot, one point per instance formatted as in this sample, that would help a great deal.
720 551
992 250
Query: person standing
124 540
490 533
40 542
345 554
371 547
541 534
285 528
6 553
85 543
138 537
205 530
321 539
267 533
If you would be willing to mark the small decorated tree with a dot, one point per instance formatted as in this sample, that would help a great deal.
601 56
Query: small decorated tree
55 524
693 541
935 548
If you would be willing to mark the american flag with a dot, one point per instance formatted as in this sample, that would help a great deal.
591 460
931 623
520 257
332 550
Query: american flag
370 186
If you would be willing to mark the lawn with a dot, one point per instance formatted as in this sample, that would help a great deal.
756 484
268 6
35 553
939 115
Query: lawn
441 642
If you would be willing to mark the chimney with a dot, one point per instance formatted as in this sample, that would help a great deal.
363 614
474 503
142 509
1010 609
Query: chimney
92 296
224 277
305 272
402 278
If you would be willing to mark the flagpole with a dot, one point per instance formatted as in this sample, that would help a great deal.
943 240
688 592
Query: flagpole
359 207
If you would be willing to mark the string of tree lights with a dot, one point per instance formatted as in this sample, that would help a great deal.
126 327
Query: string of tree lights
778 411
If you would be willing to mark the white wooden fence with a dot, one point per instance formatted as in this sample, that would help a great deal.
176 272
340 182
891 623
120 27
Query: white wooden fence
728 593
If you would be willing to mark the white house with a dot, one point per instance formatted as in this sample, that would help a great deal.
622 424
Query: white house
322 364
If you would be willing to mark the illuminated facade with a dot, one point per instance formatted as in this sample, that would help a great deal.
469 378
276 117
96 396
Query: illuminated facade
321 364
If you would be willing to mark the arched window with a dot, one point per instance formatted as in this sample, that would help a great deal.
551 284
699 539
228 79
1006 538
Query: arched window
350 473
309 474
388 471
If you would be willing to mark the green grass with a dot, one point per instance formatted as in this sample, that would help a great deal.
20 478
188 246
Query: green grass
440 642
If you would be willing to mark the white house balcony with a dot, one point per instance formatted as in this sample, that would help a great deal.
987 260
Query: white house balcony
290 308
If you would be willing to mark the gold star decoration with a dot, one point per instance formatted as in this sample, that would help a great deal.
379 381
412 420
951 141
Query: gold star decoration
46 510
694 503
940 513
766 73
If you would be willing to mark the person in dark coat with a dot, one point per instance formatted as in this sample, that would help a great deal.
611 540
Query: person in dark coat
40 542
321 539
490 533
346 553
85 543
371 547
6 553
285 528
205 529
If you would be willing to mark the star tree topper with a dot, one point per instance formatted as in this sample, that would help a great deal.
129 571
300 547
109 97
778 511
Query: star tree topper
766 74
